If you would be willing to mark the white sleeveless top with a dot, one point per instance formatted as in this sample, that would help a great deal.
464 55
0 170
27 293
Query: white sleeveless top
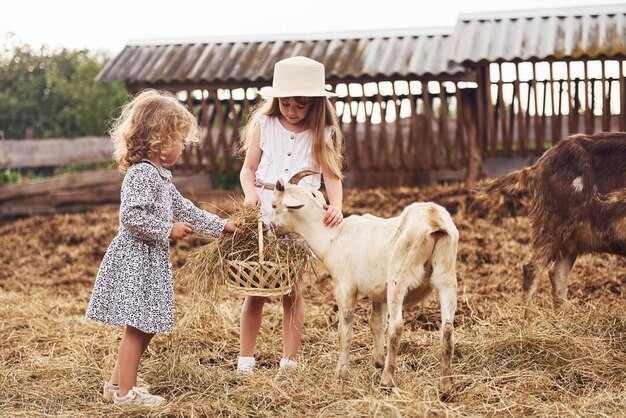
284 153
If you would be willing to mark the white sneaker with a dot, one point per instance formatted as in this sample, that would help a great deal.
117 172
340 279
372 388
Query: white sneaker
287 367
109 389
245 365
138 397
288 364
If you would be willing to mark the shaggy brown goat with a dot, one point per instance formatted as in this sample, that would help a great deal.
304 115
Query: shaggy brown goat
577 191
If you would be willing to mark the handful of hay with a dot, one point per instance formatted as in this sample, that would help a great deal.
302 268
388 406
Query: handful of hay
253 262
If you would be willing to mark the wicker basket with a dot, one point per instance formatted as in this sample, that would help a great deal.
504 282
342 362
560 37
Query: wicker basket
262 278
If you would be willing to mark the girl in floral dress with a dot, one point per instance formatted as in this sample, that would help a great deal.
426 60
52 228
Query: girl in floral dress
135 287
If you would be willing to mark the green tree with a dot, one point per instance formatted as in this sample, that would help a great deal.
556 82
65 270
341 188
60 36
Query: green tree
54 92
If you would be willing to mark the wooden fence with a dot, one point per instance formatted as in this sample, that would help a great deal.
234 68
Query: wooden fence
401 131
527 113
397 137
100 188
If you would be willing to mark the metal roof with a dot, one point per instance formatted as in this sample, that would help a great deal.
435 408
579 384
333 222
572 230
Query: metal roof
527 35
397 53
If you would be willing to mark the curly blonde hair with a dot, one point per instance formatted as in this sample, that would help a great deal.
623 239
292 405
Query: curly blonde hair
322 114
148 126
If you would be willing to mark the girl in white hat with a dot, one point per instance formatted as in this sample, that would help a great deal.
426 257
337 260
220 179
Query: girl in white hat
295 128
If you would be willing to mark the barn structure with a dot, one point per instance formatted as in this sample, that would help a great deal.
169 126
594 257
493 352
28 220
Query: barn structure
413 103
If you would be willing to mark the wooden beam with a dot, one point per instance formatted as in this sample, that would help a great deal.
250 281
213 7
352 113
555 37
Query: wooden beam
444 135
491 142
474 164
556 107
506 138
31 153
622 100
429 142
521 126
589 122
459 142
368 142
383 150
606 107
399 140
536 117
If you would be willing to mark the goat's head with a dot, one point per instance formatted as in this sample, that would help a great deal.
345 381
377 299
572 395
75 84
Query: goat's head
293 205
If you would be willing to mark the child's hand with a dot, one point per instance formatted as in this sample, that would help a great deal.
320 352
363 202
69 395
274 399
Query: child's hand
333 215
180 230
252 199
231 226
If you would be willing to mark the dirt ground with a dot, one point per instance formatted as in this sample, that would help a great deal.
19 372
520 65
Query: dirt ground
571 363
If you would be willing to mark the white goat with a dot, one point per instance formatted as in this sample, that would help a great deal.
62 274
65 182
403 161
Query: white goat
392 261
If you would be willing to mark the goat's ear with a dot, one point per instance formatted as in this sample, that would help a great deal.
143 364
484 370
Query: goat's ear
291 202
280 185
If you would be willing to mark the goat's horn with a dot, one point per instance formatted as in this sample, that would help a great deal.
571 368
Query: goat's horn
295 179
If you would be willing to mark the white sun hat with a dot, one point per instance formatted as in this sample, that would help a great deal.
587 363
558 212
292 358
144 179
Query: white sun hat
297 77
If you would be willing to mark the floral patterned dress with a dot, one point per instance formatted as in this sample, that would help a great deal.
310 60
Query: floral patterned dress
135 283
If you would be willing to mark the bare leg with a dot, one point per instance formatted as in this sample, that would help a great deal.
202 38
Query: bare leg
249 325
115 377
346 300
559 277
132 346
378 324
293 322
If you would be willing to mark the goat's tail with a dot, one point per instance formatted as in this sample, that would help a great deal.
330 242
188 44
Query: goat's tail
517 181
445 239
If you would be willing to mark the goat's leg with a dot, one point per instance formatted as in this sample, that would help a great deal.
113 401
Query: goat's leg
378 323
530 274
346 300
447 300
559 277
395 296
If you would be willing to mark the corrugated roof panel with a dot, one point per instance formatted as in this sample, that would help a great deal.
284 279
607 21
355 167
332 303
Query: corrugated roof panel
203 59
331 55
245 59
167 63
213 63
345 55
616 35
575 32
189 55
231 55
403 55
138 60
144 74
433 59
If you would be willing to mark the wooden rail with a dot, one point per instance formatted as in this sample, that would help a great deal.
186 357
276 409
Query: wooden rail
527 116
91 189
30 153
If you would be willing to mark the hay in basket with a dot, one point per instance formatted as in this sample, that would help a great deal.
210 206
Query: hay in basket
249 263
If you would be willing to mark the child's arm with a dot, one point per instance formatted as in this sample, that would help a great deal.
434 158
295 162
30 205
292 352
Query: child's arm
201 221
334 190
138 211
247 176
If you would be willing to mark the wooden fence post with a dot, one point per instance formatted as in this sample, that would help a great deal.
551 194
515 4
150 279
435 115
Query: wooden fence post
469 108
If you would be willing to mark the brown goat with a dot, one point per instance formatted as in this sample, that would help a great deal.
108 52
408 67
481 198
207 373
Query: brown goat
577 192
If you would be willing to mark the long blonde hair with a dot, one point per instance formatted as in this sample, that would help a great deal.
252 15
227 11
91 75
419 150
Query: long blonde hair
329 155
148 126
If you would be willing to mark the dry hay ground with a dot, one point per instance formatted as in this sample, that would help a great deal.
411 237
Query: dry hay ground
53 361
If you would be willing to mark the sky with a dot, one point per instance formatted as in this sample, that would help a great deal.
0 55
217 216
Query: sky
109 25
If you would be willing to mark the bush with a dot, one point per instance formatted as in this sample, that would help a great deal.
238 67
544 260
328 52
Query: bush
54 92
